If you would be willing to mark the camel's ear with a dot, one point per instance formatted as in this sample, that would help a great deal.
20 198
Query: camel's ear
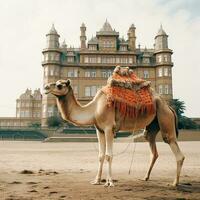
68 82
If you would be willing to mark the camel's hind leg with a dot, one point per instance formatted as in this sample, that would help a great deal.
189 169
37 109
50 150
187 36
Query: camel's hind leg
168 127
179 159
152 131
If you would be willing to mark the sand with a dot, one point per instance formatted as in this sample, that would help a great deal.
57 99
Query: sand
35 170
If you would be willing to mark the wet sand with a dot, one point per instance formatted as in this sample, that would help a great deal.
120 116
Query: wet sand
35 170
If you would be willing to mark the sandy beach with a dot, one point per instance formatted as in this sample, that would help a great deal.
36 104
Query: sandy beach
35 170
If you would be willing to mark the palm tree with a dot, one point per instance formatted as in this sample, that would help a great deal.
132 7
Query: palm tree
178 106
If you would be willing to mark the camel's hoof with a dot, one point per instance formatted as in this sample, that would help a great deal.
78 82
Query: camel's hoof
174 184
95 182
109 184
145 178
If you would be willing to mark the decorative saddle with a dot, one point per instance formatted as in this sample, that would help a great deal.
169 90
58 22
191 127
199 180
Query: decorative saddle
129 94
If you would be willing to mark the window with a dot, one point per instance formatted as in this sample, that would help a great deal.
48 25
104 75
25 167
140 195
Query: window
86 59
70 59
90 73
146 60
72 73
165 71
165 58
92 47
87 91
51 72
87 74
90 91
93 90
146 74
92 59
159 58
160 89
117 60
106 73
123 48
50 111
160 72
98 59
75 89
130 60
166 89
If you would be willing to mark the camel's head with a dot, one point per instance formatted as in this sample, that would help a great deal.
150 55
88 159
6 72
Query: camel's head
59 88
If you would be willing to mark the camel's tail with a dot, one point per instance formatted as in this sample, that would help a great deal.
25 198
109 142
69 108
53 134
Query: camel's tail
176 120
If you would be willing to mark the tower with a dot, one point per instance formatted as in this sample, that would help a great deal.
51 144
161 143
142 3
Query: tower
163 64
83 36
51 66
131 37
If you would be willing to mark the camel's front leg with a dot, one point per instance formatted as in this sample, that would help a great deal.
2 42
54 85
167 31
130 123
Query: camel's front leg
102 149
109 156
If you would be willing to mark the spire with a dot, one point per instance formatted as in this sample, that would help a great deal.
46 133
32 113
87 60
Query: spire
106 27
161 31
64 44
107 30
53 30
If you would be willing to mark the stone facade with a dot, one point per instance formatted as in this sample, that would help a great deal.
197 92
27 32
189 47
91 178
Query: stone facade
28 110
89 66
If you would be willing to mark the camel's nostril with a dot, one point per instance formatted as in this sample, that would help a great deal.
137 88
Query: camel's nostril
59 86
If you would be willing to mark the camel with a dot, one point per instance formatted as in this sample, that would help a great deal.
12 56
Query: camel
108 121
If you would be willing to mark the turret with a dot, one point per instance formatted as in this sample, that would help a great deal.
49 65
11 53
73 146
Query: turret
51 67
131 37
52 38
161 41
83 36
163 64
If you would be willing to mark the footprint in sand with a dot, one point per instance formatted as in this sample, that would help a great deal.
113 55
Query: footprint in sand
16 182
25 171
32 191
31 183
53 192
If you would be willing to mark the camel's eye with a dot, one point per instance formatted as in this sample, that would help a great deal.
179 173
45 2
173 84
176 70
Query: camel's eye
60 86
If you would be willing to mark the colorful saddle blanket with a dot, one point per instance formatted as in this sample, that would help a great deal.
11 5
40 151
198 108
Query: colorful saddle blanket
129 94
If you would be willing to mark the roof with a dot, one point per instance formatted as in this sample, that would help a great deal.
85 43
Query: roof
64 44
93 40
107 30
161 31
122 41
53 30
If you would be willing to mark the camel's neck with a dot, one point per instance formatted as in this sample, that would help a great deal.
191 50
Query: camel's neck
72 111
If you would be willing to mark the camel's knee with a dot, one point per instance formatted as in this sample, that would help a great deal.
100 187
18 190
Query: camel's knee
101 158
108 158
155 155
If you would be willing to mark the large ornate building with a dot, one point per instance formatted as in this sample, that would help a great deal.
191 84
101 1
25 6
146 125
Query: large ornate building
28 110
90 65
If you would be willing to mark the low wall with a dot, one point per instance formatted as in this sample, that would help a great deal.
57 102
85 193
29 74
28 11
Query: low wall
184 135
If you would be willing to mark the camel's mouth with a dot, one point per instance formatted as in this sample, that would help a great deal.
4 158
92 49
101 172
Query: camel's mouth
48 88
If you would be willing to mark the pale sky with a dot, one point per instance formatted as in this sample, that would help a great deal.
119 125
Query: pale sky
24 24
